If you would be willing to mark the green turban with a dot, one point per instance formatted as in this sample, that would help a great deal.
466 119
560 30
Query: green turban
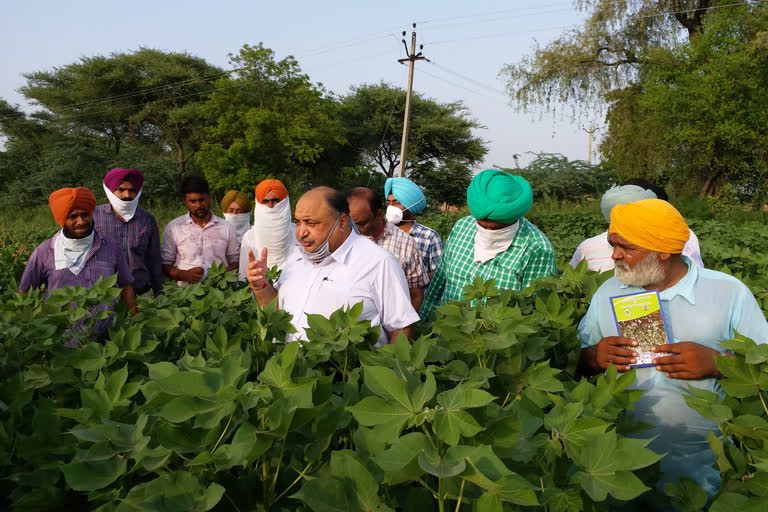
499 196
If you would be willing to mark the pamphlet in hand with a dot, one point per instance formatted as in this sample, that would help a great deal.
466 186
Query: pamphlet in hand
639 317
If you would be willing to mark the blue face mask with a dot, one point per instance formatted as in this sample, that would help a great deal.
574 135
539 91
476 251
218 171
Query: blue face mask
323 250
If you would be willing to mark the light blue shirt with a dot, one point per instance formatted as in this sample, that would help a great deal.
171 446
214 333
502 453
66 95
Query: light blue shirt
705 307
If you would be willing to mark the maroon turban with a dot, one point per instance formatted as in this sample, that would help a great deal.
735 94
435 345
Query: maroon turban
115 177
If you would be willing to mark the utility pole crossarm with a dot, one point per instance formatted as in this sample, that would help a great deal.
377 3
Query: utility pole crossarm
411 59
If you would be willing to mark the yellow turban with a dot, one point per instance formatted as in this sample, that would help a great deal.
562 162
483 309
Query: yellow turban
238 197
651 224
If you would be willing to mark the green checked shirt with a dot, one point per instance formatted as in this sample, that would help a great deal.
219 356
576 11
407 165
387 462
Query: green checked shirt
529 257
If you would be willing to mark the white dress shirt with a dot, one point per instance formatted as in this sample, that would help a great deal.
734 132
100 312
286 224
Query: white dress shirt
357 271
598 252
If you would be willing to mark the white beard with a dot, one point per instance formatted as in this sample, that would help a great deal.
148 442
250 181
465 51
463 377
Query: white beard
649 271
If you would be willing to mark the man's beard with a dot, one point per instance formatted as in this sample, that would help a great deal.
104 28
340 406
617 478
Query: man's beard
77 236
200 213
649 271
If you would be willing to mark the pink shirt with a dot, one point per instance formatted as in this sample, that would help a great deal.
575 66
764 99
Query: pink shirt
597 251
188 245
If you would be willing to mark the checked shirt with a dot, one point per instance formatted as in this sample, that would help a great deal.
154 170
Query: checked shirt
430 245
405 250
529 257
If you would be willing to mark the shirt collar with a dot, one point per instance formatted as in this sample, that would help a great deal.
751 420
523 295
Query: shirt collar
341 254
685 287
214 219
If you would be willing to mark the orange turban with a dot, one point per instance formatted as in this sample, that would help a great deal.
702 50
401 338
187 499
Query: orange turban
267 186
64 200
651 224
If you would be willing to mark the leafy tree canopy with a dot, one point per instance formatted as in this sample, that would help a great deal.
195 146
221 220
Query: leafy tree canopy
267 120
440 134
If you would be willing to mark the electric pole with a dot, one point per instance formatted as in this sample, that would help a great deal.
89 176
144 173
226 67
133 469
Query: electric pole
412 58
589 154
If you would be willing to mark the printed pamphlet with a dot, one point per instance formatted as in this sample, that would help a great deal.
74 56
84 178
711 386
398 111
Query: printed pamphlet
639 317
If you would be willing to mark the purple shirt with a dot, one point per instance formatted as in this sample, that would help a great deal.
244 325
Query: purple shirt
105 259
188 245
140 241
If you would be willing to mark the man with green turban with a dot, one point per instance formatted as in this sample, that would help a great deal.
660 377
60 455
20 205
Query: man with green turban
495 242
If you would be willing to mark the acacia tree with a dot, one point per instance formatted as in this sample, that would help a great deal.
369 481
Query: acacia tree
440 133
143 97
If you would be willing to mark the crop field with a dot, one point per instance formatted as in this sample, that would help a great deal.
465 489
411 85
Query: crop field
195 405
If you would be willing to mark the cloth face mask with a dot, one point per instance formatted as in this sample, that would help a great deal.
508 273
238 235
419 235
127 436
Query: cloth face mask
126 209
491 242
323 251
71 253
240 221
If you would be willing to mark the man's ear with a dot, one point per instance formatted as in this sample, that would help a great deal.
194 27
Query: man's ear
664 256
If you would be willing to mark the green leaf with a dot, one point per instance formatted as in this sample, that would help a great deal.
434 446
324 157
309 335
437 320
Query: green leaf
743 380
489 502
402 452
93 475
175 491
516 489
347 464
441 467
374 410
328 494
688 495
450 425
423 392
560 500
385 383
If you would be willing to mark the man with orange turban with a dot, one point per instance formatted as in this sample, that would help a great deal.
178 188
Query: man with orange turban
272 227
701 308
77 255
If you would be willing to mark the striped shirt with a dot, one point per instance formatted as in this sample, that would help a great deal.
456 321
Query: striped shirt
105 259
405 250
529 257
189 245
430 245
140 240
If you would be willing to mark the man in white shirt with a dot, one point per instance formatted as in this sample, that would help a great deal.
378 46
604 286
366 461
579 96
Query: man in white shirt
334 268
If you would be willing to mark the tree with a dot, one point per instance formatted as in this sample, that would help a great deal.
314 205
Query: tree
267 119
603 55
698 116
440 133
684 82
146 96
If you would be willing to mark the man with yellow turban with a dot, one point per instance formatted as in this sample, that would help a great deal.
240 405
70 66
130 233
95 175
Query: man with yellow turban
701 309
272 227
597 251
236 207
495 242
77 255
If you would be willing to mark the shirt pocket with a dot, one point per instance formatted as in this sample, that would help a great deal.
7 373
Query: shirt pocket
189 250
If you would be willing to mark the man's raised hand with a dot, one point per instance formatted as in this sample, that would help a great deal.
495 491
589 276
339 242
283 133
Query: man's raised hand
256 271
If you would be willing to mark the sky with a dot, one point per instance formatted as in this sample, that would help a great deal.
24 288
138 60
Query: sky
338 43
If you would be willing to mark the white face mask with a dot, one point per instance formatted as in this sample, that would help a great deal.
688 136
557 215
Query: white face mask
491 242
323 250
394 214
125 209
71 253
240 221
